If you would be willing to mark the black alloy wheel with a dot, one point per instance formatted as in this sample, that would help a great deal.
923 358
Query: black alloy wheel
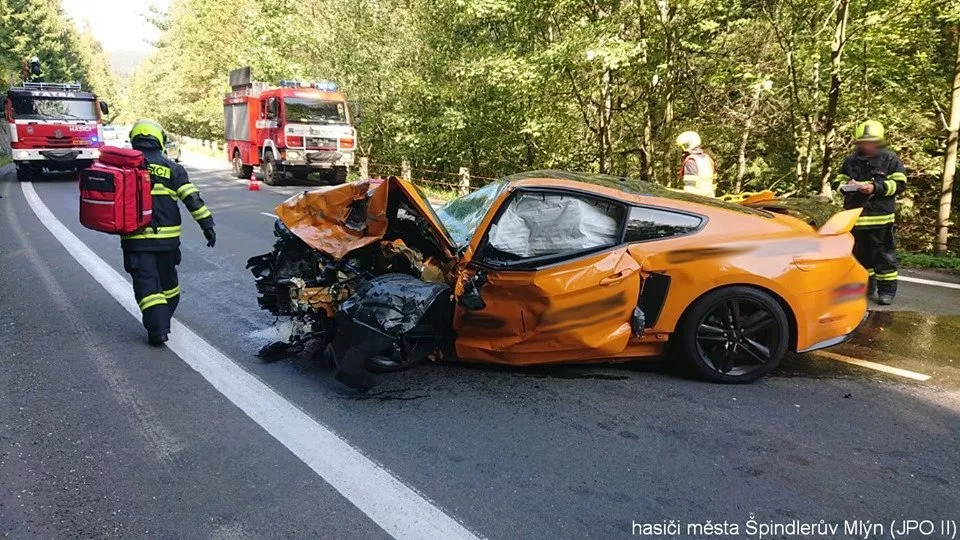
735 335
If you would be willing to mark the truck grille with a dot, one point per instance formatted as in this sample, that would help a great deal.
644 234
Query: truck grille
321 143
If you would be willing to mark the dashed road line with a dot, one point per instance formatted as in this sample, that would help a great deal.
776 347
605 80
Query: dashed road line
391 504
873 365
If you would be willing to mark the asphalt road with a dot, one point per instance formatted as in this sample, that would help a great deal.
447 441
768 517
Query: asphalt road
103 436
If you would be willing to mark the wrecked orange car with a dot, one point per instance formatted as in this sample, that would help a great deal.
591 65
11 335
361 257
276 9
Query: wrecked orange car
554 267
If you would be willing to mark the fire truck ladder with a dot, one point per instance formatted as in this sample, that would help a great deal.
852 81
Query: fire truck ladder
61 87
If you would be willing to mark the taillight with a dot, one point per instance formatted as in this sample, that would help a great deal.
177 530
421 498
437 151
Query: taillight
294 140
848 292
347 143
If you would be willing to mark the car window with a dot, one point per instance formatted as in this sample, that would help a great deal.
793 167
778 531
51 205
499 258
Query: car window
552 226
645 224
462 216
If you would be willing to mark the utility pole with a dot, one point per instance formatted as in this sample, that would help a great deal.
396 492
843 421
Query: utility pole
950 158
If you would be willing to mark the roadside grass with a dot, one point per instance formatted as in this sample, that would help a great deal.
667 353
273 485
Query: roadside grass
950 263
438 194
4 159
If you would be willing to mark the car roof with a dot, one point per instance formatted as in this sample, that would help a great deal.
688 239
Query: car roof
632 188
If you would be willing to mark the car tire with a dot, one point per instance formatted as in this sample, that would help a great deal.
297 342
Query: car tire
733 335
271 176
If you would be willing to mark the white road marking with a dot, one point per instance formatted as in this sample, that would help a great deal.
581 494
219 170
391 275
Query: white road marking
943 284
391 504
873 365
269 215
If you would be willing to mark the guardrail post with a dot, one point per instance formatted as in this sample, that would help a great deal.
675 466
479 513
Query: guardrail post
364 168
464 180
406 171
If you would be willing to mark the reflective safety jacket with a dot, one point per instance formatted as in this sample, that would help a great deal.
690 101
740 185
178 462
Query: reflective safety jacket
170 186
889 178
698 174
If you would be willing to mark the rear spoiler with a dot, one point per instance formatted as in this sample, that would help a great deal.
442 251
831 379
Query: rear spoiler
841 222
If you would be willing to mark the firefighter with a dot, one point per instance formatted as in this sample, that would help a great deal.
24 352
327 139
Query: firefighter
151 255
697 170
871 178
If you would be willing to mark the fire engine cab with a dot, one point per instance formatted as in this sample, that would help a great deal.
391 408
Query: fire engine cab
53 126
295 129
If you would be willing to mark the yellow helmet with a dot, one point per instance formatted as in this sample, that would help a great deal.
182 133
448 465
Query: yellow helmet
689 140
871 130
149 128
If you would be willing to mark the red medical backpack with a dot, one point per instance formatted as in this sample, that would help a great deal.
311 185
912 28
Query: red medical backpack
115 192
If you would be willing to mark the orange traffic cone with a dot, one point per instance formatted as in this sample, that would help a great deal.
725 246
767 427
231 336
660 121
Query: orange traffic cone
254 184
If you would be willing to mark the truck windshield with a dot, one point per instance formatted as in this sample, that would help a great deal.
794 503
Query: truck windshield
313 111
37 108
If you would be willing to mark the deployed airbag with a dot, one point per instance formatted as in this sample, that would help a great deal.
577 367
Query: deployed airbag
534 225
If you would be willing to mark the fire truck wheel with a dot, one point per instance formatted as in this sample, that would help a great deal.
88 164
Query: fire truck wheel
239 169
271 176
337 176
26 173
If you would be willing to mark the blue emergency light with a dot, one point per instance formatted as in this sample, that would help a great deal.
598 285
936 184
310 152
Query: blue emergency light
326 86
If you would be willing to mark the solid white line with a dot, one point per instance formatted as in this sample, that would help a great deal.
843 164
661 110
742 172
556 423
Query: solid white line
930 282
269 215
873 365
391 504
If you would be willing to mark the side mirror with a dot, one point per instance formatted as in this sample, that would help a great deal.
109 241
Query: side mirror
470 299
104 108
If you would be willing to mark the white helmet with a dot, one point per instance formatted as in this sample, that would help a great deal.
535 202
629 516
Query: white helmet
689 140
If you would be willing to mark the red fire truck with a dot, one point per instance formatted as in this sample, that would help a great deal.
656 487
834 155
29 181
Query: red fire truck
296 129
53 126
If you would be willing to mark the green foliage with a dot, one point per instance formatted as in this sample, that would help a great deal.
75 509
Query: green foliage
924 260
501 86
39 28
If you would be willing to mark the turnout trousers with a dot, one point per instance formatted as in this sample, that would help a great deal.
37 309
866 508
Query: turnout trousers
876 249
155 286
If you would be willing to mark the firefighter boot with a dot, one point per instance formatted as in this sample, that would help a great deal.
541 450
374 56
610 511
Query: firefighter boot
157 340
871 287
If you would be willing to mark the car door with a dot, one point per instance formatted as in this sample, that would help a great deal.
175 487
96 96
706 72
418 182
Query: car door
554 281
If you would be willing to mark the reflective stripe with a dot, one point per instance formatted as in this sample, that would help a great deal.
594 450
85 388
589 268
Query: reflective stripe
160 189
871 273
186 190
891 187
91 201
149 233
898 177
200 213
170 293
153 300
891 276
875 220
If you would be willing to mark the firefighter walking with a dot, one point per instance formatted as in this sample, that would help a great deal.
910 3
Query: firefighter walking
151 255
697 169
871 178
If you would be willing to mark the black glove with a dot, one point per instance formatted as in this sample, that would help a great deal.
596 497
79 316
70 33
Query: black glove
210 236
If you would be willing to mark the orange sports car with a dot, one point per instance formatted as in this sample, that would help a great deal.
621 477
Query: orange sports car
553 267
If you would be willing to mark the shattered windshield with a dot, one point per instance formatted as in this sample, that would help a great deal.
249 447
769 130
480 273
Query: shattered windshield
30 107
313 111
462 216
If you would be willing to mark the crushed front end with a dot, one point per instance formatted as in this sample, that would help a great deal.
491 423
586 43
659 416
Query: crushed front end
361 273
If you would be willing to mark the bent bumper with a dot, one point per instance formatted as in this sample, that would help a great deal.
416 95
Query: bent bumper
317 159
832 342
55 154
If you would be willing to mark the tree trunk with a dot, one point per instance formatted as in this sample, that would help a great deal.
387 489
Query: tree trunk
747 127
830 118
606 117
950 159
